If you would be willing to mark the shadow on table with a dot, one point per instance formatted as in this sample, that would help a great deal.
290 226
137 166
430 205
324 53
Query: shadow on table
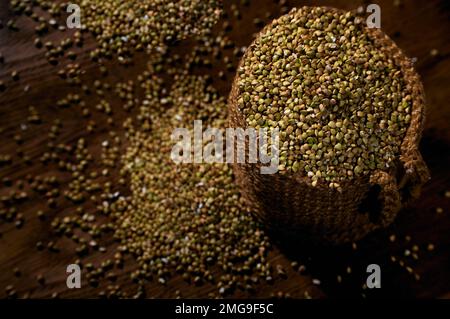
342 270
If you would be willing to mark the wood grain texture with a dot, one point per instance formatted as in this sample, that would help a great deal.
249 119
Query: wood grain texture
416 26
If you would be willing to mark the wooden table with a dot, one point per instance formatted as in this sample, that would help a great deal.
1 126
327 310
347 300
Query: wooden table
417 26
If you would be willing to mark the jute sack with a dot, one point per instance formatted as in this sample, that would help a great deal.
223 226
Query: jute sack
288 204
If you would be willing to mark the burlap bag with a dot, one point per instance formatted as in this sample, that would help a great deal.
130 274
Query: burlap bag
288 204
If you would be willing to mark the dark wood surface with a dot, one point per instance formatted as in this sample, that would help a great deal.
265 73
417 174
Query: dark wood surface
417 26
